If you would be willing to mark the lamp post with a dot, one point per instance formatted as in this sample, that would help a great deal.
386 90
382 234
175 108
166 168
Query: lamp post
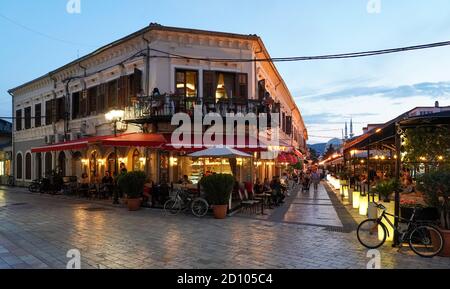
115 116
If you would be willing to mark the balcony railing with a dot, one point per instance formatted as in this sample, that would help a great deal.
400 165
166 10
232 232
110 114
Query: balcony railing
153 108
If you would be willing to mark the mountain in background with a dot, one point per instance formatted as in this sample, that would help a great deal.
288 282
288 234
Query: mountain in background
320 148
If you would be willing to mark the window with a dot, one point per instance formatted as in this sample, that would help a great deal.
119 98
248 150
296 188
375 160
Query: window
225 85
123 91
28 166
288 125
218 85
101 98
112 94
49 112
18 119
19 166
48 162
261 89
134 83
37 115
186 83
92 100
75 105
2 168
28 117
242 86
60 109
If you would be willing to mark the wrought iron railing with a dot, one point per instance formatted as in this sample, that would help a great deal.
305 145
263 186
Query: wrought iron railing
165 106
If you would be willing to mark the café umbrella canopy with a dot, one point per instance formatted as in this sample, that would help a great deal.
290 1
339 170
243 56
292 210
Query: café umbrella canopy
220 152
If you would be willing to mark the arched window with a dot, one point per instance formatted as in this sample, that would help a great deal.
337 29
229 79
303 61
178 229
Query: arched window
38 165
19 166
62 163
48 163
136 161
28 166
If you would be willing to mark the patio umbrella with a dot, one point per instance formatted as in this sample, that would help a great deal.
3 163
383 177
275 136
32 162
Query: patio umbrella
220 152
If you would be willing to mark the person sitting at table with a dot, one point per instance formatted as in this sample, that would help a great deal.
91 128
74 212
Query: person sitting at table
84 184
277 194
108 182
257 187
266 185
185 180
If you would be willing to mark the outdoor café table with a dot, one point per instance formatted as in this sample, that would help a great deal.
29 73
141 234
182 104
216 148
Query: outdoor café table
264 197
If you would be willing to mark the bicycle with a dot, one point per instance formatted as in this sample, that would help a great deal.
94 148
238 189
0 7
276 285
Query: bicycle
11 182
183 201
423 238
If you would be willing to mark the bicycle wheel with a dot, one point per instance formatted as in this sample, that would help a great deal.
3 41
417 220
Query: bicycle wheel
172 206
426 241
371 233
199 207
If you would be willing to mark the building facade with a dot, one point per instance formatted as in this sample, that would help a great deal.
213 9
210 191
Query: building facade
149 75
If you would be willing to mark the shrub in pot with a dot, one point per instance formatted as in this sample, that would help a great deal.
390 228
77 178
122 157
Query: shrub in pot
132 184
436 189
386 188
218 190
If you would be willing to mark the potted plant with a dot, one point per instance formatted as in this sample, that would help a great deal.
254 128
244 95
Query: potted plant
132 184
436 189
343 178
218 190
386 188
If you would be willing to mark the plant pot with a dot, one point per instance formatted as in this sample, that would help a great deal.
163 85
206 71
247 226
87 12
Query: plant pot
134 204
220 211
425 214
446 235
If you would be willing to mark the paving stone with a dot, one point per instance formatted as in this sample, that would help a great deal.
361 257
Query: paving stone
292 236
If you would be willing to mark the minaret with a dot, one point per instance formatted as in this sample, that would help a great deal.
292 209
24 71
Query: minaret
346 131
351 128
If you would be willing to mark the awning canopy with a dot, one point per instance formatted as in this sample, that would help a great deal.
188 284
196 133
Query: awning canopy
70 145
195 143
151 140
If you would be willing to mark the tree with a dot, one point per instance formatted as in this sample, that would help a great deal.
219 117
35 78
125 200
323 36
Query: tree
313 155
329 152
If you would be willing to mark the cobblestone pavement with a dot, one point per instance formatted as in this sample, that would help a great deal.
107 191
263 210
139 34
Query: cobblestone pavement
37 231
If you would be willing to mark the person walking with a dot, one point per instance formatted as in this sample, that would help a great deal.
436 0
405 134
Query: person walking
315 178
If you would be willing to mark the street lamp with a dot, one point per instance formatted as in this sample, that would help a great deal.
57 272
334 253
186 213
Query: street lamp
115 116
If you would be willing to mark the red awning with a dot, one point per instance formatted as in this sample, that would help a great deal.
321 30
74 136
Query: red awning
151 140
69 145
298 153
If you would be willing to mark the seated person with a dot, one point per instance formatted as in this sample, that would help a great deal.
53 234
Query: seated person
257 187
185 180
108 183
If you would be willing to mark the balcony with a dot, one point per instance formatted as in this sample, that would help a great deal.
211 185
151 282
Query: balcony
152 109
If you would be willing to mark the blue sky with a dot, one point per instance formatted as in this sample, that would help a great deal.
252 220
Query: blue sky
328 93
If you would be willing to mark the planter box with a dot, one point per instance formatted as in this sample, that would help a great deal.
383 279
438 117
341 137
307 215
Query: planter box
426 214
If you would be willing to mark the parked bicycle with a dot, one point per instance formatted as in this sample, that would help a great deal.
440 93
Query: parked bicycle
183 201
11 181
423 238
35 186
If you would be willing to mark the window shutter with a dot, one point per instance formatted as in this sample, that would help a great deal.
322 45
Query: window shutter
75 105
136 83
101 95
83 103
18 119
208 85
123 91
92 100
261 89
242 86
